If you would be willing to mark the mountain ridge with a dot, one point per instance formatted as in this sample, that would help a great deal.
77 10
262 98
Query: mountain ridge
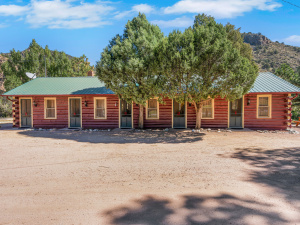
270 55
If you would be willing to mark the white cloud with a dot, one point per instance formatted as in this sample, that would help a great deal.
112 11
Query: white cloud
142 8
221 8
178 22
3 25
60 14
12 10
294 39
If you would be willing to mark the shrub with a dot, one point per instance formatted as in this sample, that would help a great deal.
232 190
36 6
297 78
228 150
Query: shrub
5 107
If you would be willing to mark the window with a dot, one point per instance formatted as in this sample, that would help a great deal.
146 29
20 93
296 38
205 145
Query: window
208 109
152 109
50 108
100 108
264 106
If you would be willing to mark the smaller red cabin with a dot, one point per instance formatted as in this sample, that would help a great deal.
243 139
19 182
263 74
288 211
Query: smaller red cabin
85 102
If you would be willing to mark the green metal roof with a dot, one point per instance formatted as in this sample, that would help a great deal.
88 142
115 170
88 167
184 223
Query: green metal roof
268 82
61 86
265 82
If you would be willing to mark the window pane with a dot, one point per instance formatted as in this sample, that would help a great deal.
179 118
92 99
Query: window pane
263 111
207 113
100 113
207 104
179 108
100 103
235 105
152 113
50 104
263 101
207 109
152 103
50 113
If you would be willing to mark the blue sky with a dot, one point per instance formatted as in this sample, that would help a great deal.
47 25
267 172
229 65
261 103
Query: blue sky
85 27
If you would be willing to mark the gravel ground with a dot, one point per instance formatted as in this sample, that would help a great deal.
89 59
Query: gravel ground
151 177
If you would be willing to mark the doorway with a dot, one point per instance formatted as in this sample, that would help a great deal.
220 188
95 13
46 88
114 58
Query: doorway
178 115
75 112
125 114
236 113
26 111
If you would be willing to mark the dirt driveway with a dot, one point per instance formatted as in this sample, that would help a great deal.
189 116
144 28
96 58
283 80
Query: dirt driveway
151 177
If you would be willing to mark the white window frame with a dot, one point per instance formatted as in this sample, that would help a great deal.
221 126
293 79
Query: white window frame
269 105
105 108
212 112
45 109
157 107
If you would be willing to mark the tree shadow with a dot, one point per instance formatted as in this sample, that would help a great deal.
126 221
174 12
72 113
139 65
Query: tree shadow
192 210
6 126
277 168
118 136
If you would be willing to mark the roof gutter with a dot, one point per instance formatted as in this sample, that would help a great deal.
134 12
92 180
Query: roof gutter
296 95
12 100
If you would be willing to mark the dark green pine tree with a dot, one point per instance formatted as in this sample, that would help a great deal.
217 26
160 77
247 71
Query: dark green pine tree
127 64
287 73
206 61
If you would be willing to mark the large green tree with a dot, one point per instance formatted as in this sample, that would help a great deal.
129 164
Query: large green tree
206 61
286 72
127 64
35 58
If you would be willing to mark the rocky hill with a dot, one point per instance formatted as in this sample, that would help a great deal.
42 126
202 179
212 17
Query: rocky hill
270 55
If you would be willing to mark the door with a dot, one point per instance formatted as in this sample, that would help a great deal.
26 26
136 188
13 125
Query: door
75 112
236 113
126 114
26 113
178 115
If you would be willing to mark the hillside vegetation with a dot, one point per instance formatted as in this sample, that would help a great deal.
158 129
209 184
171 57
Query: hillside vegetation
34 59
15 64
271 55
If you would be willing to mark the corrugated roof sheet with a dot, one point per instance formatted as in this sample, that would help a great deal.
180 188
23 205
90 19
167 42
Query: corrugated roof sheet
265 82
268 82
61 86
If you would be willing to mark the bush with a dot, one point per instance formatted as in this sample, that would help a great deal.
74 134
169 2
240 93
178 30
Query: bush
5 107
295 113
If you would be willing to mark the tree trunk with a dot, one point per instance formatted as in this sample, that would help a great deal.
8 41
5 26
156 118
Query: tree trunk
198 108
141 117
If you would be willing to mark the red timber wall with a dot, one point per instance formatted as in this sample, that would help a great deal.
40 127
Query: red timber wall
165 116
62 119
16 112
278 120
220 115
279 113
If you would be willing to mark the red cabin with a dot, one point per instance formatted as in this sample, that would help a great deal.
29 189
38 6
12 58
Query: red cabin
84 102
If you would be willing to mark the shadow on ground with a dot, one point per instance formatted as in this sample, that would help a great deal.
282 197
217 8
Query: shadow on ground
118 136
6 126
192 210
277 168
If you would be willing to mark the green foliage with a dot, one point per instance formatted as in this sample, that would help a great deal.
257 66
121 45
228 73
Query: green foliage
5 107
287 73
127 64
205 61
33 60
